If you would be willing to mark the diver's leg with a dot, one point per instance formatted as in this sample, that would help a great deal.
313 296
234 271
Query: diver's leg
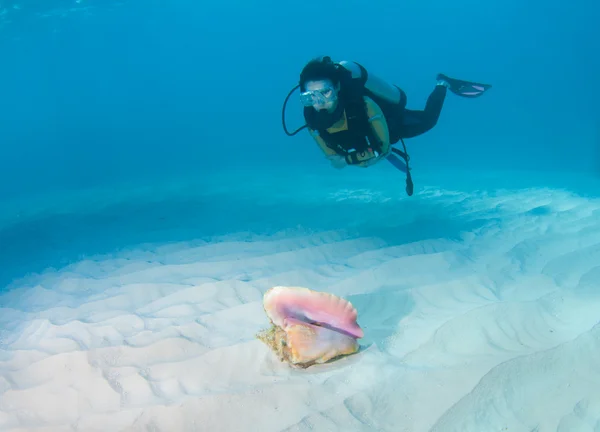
415 122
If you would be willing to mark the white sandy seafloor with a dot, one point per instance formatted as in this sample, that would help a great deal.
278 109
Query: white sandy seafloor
480 305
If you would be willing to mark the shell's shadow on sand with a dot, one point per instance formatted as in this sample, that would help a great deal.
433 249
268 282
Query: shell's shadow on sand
380 312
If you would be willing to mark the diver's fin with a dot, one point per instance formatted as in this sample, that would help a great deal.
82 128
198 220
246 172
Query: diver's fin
464 88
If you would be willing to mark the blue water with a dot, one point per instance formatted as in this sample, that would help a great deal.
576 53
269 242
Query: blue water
130 122
95 94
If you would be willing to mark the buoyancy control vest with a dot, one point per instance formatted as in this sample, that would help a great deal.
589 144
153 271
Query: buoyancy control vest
358 136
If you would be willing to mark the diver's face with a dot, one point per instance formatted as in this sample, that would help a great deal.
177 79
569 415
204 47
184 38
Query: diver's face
321 95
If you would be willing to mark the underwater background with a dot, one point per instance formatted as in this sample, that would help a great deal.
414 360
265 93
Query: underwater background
108 93
101 92
127 126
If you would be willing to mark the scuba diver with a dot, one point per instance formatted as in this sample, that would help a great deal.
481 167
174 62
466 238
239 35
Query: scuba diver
355 117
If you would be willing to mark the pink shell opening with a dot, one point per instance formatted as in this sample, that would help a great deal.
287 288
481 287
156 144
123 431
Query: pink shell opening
313 307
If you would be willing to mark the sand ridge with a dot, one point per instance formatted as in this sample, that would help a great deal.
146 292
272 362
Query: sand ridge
496 329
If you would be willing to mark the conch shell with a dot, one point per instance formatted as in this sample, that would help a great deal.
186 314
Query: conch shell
309 327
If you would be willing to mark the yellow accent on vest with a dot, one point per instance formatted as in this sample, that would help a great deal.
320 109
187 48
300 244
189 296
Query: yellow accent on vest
378 123
340 125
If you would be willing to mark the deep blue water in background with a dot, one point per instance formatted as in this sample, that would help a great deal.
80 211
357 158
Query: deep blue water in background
100 93
145 89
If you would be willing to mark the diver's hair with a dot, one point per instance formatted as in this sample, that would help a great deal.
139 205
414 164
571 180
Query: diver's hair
320 68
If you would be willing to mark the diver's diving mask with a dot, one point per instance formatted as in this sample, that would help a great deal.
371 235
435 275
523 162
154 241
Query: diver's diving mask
321 96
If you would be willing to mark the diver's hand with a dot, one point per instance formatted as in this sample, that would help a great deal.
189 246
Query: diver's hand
337 161
369 157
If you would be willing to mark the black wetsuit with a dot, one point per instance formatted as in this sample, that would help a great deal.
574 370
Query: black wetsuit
406 123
